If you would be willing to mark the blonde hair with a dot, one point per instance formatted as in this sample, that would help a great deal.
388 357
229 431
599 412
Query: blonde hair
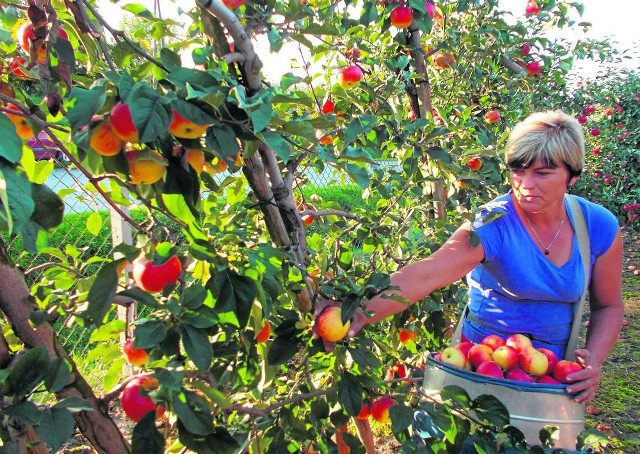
553 137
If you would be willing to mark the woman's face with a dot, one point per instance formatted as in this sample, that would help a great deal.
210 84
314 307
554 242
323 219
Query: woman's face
538 186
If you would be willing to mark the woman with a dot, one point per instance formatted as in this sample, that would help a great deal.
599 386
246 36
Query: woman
526 273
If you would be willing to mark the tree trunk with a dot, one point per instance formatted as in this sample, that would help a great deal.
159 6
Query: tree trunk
17 303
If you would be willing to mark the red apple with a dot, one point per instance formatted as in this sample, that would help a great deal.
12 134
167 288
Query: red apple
525 49
564 368
534 68
398 370
474 163
595 132
402 16
122 123
590 109
154 277
453 356
532 8
507 357
491 369
494 341
380 409
328 325
533 362
135 401
264 333
518 374
365 411
492 116
519 342
582 119
233 4
328 107
551 357
548 379
349 76
430 9
478 354
406 335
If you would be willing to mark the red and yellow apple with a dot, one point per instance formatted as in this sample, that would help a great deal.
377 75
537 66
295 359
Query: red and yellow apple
506 357
23 128
464 347
380 409
478 354
143 168
16 68
365 411
401 16
406 335
185 129
551 357
233 4
518 374
328 107
350 75
104 141
519 342
196 160
328 325
444 60
453 356
493 340
533 362
134 355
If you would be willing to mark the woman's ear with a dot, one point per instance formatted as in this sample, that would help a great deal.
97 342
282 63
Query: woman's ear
573 180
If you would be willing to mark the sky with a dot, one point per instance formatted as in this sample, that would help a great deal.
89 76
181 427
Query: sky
616 20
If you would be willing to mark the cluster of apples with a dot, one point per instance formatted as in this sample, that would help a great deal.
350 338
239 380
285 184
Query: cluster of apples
514 358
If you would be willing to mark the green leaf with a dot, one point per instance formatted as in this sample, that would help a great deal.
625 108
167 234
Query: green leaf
11 144
28 371
86 103
15 195
358 174
489 408
170 59
48 210
149 111
102 293
193 412
192 112
280 146
401 417
275 40
218 442
145 438
26 412
261 116
56 427
140 296
74 404
199 79
350 393
57 375
282 350
138 9
235 294
197 345
177 205
94 223
150 333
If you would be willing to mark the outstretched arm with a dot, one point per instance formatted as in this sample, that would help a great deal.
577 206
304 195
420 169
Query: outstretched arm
448 264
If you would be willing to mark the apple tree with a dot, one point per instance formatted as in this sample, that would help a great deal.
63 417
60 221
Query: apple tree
235 254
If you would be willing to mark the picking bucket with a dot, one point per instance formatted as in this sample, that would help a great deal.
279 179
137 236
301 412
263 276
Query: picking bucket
531 406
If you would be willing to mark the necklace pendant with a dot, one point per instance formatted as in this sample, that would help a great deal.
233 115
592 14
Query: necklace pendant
546 252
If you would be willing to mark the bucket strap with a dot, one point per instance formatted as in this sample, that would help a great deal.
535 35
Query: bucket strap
582 236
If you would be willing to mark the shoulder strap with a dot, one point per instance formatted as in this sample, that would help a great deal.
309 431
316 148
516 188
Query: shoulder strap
585 252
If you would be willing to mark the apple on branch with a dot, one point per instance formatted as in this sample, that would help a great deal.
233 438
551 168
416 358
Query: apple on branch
328 325
349 76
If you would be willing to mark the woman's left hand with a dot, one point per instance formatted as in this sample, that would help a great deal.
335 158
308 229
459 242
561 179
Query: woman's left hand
585 382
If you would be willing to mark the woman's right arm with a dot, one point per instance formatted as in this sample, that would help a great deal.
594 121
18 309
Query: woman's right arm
451 262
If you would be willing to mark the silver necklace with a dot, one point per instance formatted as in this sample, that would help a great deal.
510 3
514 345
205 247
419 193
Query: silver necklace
546 248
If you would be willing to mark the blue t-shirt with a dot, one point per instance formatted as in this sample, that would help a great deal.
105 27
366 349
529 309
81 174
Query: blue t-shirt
516 289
